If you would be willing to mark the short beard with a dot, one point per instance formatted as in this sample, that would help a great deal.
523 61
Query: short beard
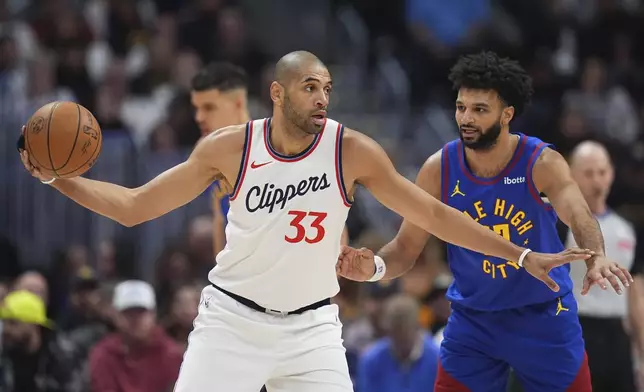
486 139
301 122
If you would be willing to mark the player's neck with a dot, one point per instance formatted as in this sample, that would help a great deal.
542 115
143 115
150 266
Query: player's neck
490 162
245 117
286 138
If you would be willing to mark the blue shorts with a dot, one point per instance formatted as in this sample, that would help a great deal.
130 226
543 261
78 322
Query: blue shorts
543 343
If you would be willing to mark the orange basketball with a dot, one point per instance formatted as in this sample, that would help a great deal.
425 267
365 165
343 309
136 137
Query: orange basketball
63 139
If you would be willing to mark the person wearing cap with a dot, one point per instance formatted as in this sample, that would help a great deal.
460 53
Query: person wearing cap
34 357
140 356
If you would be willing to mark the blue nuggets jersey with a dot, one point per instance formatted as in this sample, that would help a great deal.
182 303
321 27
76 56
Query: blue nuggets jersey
224 202
510 205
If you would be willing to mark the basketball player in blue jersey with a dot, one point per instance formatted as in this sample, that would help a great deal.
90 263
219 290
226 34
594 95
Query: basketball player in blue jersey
219 96
501 316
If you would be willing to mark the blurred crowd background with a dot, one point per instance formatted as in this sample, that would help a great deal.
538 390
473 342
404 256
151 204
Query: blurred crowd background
130 62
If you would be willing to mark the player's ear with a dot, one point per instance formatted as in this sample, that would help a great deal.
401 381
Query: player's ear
508 114
277 93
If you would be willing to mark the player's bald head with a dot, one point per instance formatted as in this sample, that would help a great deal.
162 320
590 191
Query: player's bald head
293 65
589 152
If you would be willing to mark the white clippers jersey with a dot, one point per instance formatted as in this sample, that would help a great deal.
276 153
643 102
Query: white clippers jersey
286 217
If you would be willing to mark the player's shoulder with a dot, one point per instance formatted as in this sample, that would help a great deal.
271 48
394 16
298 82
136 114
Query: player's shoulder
230 137
434 161
549 158
356 142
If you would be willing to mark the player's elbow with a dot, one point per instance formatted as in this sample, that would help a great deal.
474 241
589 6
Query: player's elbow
132 210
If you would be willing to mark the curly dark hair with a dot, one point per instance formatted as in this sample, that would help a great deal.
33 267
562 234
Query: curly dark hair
488 71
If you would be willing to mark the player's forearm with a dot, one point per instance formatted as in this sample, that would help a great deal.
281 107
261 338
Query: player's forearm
398 257
110 200
585 229
451 225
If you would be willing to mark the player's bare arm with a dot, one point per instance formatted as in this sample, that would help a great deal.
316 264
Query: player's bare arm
366 163
551 175
218 153
402 252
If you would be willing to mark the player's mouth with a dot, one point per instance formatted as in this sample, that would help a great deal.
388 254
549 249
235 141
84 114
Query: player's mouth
319 117
469 131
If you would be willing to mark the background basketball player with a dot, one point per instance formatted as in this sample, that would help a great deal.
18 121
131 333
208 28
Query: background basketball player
267 317
500 315
220 99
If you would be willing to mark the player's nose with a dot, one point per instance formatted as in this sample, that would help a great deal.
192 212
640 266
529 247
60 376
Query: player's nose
322 101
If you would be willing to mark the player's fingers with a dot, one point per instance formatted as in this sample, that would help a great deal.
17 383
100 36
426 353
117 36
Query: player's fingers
622 274
24 157
612 279
598 279
574 254
586 286
344 250
545 278
578 250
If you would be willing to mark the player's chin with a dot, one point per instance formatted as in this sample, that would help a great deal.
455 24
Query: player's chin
470 138
314 127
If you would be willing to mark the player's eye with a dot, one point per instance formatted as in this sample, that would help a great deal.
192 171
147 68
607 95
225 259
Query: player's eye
309 88
460 108
328 90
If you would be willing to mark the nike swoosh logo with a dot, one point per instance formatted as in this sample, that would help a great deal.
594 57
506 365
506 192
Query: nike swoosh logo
258 165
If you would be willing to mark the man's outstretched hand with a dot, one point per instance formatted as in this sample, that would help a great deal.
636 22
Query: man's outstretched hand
540 264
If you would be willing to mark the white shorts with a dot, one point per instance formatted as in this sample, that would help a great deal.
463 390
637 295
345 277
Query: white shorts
237 349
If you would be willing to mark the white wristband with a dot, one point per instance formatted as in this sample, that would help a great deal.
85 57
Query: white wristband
522 257
50 181
381 269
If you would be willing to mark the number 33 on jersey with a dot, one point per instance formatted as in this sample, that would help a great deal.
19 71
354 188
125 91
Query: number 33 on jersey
287 213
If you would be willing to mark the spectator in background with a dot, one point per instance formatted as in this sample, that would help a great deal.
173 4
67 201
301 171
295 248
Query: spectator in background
89 318
34 357
607 109
406 360
183 311
33 282
86 305
140 356
174 268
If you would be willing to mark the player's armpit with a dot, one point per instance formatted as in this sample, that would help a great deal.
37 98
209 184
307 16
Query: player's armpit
551 175
370 166
402 252
168 191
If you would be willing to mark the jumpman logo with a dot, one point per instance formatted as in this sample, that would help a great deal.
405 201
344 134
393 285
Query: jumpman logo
560 307
457 190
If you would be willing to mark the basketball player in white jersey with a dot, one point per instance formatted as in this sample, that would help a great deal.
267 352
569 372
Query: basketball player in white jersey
267 317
